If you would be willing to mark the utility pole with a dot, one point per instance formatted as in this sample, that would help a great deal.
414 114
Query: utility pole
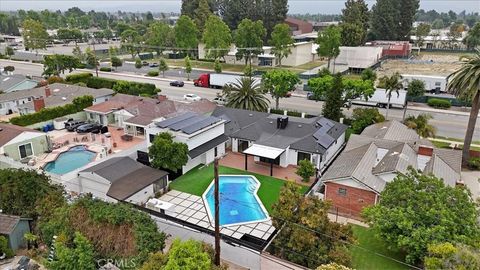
95 57
217 214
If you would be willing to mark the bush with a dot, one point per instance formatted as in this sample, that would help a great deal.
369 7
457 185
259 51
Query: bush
439 103
364 117
294 113
105 69
4 247
97 83
81 65
474 163
152 73
80 77
55 79
305 170
275 111
77 105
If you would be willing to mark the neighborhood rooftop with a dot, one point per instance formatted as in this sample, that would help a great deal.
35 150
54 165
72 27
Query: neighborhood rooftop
8 132
188 123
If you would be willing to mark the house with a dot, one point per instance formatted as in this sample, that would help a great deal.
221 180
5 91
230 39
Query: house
16 82
204 136
20 143
298 26
122 179
59 94
375 157
134 113
358 58
14 228
281 140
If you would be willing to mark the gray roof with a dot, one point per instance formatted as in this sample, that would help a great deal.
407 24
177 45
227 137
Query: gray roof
188 123
262 128
9 81
391 130
8 223
126 176
62 94
197 151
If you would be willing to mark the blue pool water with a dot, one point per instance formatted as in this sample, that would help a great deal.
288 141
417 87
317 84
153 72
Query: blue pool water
74 158
238 203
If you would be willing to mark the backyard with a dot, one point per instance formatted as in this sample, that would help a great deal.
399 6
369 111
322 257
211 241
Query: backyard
197 180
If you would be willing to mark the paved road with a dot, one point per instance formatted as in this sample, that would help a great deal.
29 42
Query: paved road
448 125
178 73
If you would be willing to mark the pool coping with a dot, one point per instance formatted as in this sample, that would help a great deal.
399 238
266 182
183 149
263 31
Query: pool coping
207 206
68 149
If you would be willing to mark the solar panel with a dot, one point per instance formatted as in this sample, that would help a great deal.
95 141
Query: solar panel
325 141
199 125
324 122
187 122
168 122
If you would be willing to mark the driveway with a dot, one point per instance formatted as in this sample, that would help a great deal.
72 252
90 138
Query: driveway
472 181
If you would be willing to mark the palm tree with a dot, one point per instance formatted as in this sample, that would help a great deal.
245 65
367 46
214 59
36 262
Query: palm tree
465 82
420 125
246 94
391 84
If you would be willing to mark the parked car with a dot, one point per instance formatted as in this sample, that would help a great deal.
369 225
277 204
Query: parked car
310 96
288 94
153 65
144 63
177 83
95 128
220 100
101 130
191 97
71 125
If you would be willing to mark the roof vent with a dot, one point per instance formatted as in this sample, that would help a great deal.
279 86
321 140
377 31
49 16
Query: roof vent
299 125
64 98
56 90
250 114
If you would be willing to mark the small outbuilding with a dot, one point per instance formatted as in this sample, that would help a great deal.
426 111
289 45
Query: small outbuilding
14 228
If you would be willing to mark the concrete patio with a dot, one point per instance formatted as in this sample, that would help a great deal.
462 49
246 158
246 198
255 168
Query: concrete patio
237 160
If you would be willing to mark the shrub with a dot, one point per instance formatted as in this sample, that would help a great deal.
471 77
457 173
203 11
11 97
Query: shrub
55 79
474 163
80 77
439 103
106 69
275 111
294 113
305 170
97 83
77 105
81 65
152 73
364 117
4 247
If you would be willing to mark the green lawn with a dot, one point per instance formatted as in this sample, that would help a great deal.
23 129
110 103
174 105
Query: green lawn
362 259
446 145
197 180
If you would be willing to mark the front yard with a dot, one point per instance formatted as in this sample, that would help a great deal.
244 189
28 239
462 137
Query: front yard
197 180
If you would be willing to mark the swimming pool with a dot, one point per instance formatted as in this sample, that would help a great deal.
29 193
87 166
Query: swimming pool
73 158
239 203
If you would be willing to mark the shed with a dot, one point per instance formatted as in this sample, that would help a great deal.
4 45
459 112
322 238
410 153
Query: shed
14 228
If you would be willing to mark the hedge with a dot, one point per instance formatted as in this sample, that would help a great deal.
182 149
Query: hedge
294 113
275 111
152 73
97 83
106 69
474 163
77 105
79 77
439 103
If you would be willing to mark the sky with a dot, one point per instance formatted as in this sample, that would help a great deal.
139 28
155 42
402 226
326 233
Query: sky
296 6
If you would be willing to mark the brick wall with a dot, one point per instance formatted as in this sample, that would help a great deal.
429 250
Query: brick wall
352 202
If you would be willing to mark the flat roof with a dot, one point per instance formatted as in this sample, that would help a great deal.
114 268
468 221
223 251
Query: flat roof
264 151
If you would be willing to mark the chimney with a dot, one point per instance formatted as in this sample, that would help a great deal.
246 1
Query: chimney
38 104
48 92
425 151
162 97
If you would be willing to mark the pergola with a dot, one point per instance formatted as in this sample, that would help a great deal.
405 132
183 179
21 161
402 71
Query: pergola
268 152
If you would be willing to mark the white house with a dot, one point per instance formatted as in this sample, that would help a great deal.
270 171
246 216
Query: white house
204 136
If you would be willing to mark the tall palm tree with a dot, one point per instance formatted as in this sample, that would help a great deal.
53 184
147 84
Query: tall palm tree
246 94
465 82
391 84
420 125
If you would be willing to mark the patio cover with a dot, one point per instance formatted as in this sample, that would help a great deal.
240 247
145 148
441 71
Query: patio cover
264 151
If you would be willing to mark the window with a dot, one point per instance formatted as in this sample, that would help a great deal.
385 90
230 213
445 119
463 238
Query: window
215 152
342 191
151 138
25 150
301 156
438 83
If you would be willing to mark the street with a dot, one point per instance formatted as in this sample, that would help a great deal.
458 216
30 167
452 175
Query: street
447 124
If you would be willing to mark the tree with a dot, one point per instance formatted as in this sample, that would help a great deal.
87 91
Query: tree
421 32
281 41
68 35
306 236
420 125
163 66
472 39
278 83
449 256
249 39
364 117
465 83
416 210
188 67
201 15
217 66
305 170
186 34
354 26
190 6
116 62
107 34
369 74
217 37
9 69
91 59
131 41
77 52
57 64
438 24
81 256
22 190
416 88
245 94
9 51
138 63
332 109
167 154
333 266
392 20
187 255
158 36
329 43
391 84
35 36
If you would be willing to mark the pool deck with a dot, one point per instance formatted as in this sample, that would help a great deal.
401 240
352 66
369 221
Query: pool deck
191 208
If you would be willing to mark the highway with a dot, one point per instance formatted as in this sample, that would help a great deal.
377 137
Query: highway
448 125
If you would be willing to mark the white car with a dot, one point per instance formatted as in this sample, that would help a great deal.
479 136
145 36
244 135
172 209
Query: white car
191 97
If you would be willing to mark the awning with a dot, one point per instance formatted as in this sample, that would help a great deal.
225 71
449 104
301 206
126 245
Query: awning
264 151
